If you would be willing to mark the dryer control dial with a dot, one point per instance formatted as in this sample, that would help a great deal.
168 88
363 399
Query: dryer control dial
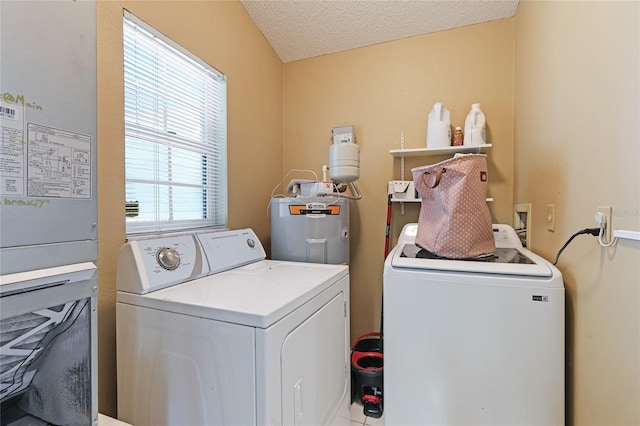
168 258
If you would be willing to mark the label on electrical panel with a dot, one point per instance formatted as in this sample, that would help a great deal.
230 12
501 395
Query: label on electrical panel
314 208
59 163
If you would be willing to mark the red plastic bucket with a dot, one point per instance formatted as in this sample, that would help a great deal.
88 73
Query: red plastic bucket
369 342
367 364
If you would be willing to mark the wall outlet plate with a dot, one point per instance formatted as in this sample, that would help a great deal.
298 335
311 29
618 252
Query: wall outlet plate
607 211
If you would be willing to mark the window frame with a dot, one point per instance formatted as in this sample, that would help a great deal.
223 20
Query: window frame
210 142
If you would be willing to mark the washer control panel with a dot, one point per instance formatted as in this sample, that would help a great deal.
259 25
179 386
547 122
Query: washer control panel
150 264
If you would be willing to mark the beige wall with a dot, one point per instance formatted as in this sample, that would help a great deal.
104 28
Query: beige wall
222 34
576 144
383 90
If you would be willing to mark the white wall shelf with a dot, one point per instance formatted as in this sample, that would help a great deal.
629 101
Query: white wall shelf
404 200
418 200
422 152
628 235
402 153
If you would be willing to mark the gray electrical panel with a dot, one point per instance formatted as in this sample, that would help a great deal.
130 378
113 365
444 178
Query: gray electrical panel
48 167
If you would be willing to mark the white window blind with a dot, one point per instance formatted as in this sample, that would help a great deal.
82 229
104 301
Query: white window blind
175 134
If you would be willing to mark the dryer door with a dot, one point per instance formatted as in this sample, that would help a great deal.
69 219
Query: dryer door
314 366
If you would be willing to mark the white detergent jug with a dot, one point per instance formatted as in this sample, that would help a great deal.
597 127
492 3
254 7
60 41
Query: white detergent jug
474 127
439 127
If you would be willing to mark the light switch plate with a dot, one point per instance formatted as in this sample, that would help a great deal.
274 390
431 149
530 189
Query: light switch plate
551 217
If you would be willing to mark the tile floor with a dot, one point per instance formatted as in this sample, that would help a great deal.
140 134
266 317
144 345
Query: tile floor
358 417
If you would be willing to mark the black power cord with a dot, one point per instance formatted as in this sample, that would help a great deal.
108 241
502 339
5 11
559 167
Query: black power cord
592 231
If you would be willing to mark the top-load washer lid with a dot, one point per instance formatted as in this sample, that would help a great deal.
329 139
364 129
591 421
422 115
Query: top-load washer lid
510 258
505 260
258 294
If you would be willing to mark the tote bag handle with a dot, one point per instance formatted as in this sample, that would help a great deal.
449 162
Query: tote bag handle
436 182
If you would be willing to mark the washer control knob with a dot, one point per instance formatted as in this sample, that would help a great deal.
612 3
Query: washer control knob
251 243
168 258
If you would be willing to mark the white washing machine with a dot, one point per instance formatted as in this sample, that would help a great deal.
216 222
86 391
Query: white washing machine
211 333
473 342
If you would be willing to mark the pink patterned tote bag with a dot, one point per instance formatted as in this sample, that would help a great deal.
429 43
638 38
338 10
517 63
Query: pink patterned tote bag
454 217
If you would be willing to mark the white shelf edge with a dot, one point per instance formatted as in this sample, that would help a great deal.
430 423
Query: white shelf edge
627 235
417 152
417 200
402 200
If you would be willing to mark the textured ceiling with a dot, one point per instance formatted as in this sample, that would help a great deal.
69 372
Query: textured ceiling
299 29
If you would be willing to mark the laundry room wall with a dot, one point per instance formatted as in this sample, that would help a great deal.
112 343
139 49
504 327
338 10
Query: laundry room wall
384 90
223 35
577 129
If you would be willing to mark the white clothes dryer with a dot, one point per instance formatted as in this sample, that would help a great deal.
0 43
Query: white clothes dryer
211 333
473 342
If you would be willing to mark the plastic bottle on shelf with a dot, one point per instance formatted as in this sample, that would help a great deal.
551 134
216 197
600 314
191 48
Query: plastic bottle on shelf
457 137
439 127
474 127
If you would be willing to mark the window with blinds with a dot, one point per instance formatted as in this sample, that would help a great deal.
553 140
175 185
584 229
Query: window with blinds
175 114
